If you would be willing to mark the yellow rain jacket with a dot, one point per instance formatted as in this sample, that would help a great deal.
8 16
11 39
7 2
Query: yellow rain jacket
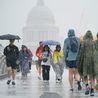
56 55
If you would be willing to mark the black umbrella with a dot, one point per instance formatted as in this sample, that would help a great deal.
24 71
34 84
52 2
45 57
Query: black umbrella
9 37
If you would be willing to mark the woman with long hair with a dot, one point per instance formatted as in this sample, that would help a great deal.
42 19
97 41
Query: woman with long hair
85 62
24 58
46 56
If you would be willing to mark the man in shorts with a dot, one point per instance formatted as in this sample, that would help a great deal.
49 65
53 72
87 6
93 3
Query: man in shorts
71 48
12 53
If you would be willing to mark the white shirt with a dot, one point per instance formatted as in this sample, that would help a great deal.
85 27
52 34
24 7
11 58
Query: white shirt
45 55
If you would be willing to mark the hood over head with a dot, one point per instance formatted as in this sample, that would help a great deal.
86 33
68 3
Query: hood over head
71 33
88 35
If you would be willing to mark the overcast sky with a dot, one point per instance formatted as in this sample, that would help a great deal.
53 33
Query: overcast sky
79 14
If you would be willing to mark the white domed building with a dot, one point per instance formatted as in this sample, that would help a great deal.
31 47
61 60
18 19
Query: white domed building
40 25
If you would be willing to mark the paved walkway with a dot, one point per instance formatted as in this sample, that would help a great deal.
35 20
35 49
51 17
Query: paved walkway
34 88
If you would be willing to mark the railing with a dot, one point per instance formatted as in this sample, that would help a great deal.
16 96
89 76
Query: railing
3 69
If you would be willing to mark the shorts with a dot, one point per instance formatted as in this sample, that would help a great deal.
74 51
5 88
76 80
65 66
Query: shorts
71 64
11 64
38 62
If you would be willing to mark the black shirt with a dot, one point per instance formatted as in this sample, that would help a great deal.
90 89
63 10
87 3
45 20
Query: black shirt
11 52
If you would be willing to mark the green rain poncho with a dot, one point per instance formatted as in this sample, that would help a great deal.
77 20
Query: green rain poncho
96 57
85 58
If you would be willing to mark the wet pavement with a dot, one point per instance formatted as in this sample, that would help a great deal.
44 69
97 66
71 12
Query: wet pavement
32 87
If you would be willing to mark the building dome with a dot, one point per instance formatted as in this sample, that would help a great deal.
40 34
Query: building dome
40 14
40 25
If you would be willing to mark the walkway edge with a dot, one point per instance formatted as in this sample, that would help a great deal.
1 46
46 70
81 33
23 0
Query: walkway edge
3 76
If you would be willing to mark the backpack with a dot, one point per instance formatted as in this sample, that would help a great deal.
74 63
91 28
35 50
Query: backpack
74 44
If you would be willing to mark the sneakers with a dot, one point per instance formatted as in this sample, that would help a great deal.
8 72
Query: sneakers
8 82
13 83
87 90
79 86
58 81
92 92
71 89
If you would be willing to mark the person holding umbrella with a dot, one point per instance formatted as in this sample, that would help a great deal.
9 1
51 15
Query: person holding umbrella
12 53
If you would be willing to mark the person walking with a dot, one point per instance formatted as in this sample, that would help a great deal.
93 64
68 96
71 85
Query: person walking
58 63
70 48
85 61
24 58
46 56
96 62
30 61
12 53
38 62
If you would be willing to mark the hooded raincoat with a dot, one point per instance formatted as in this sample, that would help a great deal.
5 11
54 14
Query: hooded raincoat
85 57
96 57
58 64
68 54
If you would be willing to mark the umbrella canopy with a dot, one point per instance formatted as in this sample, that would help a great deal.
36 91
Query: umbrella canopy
50 42
9 37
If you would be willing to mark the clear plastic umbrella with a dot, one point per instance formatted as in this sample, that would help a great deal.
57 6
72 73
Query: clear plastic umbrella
50 42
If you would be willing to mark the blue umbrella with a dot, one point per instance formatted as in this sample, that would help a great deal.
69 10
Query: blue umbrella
9 37
50 42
